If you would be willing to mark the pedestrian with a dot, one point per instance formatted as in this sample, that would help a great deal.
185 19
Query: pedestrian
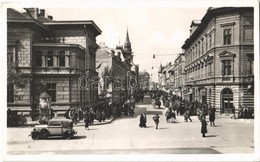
187 116
142 121
156 120
168 115
203 126
173 117
234 113
212 116
86 120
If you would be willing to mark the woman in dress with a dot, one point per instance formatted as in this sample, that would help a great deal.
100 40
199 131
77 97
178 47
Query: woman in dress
142 121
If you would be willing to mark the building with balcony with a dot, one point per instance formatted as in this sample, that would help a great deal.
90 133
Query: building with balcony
57 57
219 59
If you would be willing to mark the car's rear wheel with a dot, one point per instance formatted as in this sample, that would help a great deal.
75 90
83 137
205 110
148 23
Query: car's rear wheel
67 135
35 135
44 133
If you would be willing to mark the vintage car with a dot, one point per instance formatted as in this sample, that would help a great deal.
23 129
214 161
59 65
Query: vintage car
55 127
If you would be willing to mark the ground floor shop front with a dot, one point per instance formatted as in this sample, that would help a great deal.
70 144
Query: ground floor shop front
223 97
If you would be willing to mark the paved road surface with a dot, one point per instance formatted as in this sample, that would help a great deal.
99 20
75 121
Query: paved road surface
123 136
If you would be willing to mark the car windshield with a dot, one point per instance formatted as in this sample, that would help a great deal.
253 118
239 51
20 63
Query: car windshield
67 124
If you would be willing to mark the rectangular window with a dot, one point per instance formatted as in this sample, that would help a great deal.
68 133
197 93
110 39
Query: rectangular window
38 60
251 67
62 60
50 60
202 47
227 67
51 90
10 93
206 44
199 49
210 41
227 36
248 34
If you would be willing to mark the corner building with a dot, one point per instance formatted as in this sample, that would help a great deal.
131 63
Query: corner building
219 59
51 56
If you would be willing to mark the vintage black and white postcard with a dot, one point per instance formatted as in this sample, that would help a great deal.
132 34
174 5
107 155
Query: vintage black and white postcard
130 80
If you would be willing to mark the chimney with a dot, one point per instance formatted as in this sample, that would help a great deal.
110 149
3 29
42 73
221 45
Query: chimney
32 12
42 12
50 17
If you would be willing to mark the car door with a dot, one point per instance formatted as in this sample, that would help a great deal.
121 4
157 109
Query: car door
55 128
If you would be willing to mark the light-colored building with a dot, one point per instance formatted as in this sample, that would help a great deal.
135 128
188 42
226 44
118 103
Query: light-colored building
113 68
144 80
50 56
116 69
166 77
219 59
179 75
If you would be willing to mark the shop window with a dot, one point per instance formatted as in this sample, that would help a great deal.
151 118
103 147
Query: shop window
51 90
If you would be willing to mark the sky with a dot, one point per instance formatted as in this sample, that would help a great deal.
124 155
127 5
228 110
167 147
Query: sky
152 30
154 27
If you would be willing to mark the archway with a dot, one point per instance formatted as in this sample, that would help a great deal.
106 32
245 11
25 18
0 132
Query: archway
226 100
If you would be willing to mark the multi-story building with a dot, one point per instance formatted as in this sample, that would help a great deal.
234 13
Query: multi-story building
50 56
144 80
114 69
219 59
166 77
179 74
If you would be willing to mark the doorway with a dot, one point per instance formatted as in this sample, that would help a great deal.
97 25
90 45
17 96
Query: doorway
227 100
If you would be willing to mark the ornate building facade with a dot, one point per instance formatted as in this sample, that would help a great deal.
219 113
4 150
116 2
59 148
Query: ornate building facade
219 59
50 56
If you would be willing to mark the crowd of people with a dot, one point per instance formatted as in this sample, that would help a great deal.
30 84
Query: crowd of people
105 110
14 119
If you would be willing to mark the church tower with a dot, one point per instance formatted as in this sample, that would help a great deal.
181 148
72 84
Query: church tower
127 46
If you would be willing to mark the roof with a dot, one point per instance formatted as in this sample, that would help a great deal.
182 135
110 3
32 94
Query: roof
143 73
57 45
16 16
211 12
76 22
12 14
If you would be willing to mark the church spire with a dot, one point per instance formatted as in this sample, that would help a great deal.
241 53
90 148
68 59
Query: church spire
127 45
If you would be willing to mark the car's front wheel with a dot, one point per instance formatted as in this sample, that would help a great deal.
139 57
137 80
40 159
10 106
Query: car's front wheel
35 135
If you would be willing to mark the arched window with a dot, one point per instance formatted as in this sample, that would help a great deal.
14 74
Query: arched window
227 91
50 58
62 58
